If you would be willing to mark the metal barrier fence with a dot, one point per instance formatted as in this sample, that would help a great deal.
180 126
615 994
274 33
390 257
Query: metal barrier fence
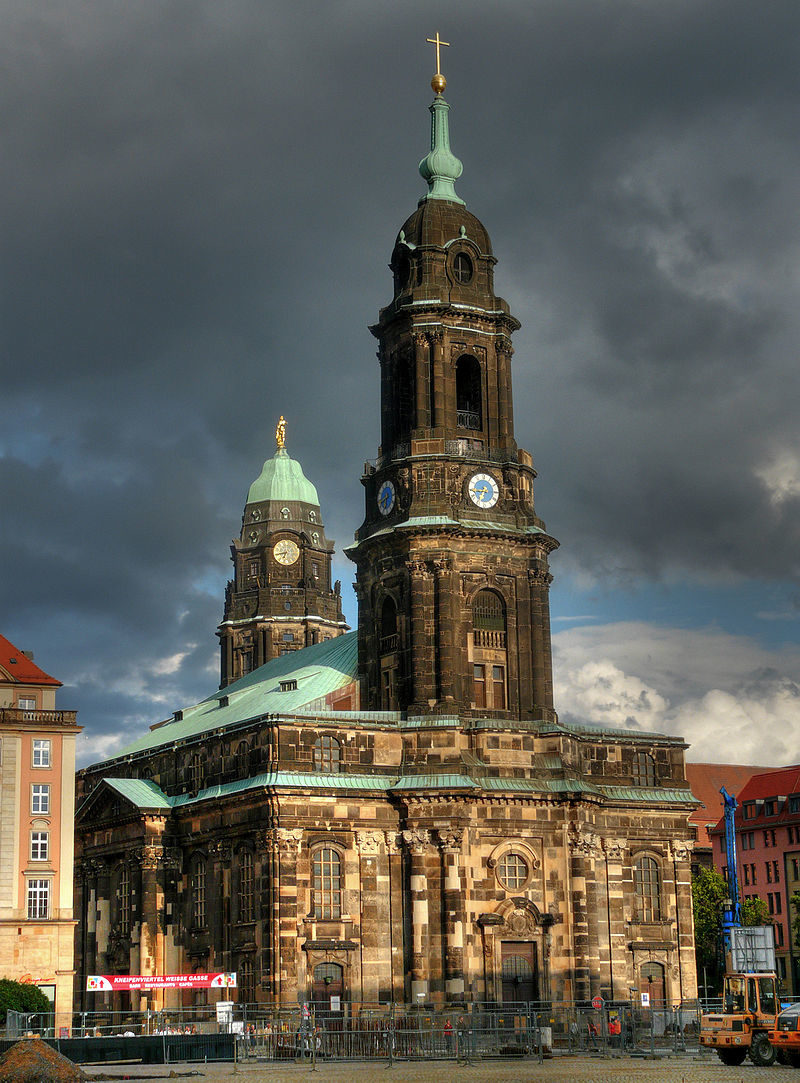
388 1032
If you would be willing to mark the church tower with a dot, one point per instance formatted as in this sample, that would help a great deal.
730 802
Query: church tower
281 597
452 560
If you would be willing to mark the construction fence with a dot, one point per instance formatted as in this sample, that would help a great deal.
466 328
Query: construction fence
370 1032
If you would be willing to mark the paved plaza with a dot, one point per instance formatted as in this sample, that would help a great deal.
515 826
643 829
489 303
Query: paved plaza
569 1069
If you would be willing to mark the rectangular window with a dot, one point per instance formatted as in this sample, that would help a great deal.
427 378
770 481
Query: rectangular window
26 703
41 753
288 637
766 838
790 829
479 685
794 803
38 899
498 688
753 873
796 868
746 871
778 905
315 570
40 799
744 840
769 872
776 876
772 836
749 811
39 845
769 807
779 935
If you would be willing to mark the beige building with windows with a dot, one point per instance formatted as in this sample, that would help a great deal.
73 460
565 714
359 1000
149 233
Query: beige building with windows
37 810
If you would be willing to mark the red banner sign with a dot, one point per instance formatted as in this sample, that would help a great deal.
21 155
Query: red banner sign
120 983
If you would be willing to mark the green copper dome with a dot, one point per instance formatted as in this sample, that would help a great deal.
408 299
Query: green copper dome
282 479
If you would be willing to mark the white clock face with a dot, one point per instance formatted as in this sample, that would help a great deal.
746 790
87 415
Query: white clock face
483 490
286 551
386 498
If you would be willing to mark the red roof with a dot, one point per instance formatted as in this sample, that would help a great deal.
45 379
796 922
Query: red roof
705 781
19 669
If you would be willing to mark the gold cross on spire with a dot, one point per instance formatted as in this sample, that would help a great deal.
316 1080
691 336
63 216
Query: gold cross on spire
438 82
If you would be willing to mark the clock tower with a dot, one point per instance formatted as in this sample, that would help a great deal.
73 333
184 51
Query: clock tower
281 597
452 560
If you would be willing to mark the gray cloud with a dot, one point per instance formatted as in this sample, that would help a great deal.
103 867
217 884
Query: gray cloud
197 210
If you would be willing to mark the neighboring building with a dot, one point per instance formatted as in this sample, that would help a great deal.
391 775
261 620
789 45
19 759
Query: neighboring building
281 597
768 851
706 780
445 838
37 810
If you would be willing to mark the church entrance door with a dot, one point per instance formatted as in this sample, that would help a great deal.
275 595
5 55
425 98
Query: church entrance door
520 967
327 992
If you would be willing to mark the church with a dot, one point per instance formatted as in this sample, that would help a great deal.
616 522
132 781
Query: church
396 814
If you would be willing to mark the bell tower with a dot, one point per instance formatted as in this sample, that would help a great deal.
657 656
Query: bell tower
281 597
452 561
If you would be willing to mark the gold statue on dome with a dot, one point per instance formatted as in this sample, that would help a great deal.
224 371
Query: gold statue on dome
280 433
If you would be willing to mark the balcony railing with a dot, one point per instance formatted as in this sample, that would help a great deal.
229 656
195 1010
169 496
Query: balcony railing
482 637
468 419
389 643
12 715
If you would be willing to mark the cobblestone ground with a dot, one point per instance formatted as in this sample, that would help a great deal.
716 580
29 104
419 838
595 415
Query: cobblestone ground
686 1069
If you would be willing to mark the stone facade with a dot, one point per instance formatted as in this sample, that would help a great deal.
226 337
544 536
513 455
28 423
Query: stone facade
414 823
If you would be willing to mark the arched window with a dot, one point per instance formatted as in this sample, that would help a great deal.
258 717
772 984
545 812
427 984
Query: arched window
327 754
246 982
124 900
197 887
646 889
242 758
389 639
462 268
326 884
246 895
489 620
468 393
644 770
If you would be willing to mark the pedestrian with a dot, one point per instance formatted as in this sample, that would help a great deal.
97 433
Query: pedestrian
448 1035
592 1029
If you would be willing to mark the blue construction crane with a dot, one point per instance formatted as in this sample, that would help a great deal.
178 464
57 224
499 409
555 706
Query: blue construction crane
732 913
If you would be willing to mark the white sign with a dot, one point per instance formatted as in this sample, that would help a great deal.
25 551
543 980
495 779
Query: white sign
336 1004
224 1011
645 1000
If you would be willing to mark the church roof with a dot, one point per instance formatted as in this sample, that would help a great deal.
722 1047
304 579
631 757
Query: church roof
285 685
282 479
18 668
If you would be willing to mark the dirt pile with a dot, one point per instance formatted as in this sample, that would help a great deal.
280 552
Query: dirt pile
33 1061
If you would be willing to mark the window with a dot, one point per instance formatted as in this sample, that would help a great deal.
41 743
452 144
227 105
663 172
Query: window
769 871
327 754
469 412
284 513
246 982
744 840
512 871
746 871
41 753
479 685
26 703
315 569
196 772
772 836
326 884
766 838
647 889
749 811
198 892
794 803
288 637
389 638
644 770
462 268
779 935
769 807
242 757
489 620
315 538
753 874
38 899
498 687
776 876
254 569
790 831
246 897
40 798
312 517
40 841
124 900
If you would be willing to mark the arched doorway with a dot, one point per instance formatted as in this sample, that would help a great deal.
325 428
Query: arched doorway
520 972
651 981
327 993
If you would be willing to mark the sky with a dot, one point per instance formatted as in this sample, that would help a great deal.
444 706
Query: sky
198 205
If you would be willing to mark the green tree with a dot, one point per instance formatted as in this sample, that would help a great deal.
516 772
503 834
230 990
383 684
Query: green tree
709 891
755 911
794 910
21 997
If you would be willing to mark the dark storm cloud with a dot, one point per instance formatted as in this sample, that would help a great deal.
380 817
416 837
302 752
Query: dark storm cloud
198 205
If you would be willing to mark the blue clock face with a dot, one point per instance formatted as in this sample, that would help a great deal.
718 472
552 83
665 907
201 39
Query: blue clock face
483 490
386 498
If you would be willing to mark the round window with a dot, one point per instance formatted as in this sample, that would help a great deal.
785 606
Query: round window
462 267
512 871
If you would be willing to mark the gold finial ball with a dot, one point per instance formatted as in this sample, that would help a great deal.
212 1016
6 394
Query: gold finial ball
438 83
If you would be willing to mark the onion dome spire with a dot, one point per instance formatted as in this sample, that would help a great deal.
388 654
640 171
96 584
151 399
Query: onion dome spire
440 167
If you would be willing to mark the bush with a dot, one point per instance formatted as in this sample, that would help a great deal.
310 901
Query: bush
18 997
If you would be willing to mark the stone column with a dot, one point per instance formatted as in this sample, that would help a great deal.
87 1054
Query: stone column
422 639
289 840
418 840
219 924
681 854
616 852
422 378
584 848
150 945
504 351
394 862
453 914
542 665
447 626
439 419
375 916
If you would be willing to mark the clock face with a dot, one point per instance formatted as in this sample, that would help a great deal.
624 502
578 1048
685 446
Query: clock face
286 551
386 497
483 490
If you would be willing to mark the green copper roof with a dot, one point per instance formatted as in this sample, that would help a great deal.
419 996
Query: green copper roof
307 676
282 479
440 167
141 792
